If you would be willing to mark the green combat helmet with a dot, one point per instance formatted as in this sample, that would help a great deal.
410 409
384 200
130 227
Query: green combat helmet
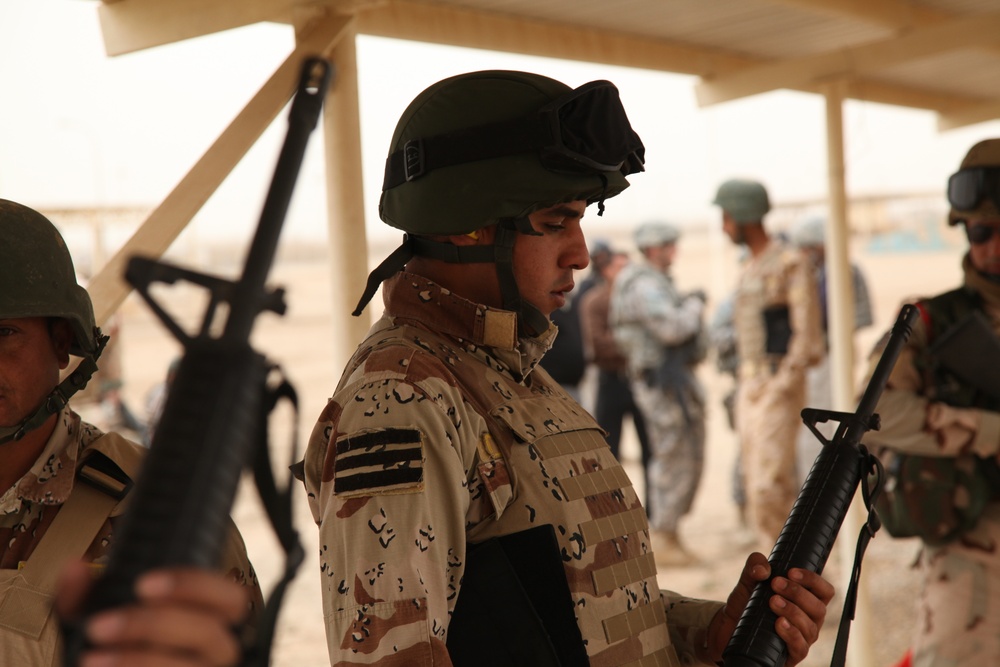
653 234
975 187
493 147
745 201
38 280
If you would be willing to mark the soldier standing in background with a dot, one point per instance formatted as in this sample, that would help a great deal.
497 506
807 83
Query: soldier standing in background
809 236
613 399
778 336
946 420
660 331
64 485
470 512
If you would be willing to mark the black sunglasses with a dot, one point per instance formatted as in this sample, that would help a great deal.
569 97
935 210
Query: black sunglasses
979 234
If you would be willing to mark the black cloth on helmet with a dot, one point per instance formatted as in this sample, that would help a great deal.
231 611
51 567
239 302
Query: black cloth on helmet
585 131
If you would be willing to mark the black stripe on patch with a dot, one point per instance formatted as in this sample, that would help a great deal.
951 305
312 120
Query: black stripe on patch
378 462
378 481
389 436
387 458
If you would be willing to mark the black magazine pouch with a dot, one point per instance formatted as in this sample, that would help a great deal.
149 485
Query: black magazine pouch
778 329
515 606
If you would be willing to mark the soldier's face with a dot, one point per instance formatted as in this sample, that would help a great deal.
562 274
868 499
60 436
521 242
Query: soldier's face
31 357
544 265
732 228
984 243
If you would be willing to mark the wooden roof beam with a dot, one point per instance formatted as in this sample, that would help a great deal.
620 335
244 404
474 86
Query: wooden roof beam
108 288
133 25
968 115
424 22
895 14
967 31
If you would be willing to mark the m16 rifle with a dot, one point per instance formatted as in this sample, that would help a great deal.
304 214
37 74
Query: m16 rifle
215 418
817 514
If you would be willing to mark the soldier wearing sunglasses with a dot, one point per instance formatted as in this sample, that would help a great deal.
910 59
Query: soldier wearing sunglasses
470 511
947 424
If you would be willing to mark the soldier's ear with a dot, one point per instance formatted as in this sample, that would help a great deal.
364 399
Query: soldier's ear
61 334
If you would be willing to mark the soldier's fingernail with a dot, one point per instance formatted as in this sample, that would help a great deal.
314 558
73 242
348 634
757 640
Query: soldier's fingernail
779 584
795 574
779 602
105 627
155 585
758 571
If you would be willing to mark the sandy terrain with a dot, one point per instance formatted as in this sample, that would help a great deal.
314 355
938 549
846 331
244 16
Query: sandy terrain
300 341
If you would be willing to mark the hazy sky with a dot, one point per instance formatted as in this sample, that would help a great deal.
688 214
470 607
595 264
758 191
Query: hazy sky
80 128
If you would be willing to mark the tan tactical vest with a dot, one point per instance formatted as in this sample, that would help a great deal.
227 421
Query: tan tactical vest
29 630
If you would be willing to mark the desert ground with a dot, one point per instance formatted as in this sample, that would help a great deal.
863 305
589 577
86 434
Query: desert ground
301 342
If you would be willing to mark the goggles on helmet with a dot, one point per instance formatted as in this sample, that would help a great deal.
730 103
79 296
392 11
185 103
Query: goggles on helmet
967 188
584 131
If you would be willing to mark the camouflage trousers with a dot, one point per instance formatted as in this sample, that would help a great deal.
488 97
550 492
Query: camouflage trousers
767 421
677 452
958 612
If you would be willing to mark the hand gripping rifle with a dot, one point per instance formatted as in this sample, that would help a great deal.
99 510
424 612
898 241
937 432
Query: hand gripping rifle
214 423
812 525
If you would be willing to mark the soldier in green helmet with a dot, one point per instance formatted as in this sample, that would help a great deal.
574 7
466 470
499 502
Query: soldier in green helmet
470 512
64 484
777 325
943 416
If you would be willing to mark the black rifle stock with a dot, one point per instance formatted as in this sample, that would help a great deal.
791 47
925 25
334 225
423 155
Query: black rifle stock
179 509
814 520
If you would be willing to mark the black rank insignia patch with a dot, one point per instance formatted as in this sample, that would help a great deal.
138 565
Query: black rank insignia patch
381 462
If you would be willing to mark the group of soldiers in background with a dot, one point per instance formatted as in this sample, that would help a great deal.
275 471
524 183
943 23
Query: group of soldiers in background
646 338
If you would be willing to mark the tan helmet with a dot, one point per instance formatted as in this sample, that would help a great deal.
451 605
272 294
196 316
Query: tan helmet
653 234
809 232
975 187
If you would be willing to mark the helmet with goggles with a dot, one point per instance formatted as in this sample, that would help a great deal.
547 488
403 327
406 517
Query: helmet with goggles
38 280
975 187
493 147
745 201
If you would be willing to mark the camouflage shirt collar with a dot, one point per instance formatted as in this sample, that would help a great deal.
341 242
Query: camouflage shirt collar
50 479
413 297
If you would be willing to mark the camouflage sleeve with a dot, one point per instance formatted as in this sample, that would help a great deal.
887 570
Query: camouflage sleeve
388 473
236 565
688 620
670 320
805 348
912 423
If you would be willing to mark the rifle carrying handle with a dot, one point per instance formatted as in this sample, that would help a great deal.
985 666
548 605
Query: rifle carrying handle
816 516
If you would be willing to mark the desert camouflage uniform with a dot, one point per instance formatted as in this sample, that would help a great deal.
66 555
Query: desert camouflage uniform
650 320
444 431
772 386
31 555
958 611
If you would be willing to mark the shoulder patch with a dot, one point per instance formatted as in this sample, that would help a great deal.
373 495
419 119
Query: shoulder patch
379 462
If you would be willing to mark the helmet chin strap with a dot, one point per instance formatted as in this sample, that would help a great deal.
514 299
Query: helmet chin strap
59 397
530 320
